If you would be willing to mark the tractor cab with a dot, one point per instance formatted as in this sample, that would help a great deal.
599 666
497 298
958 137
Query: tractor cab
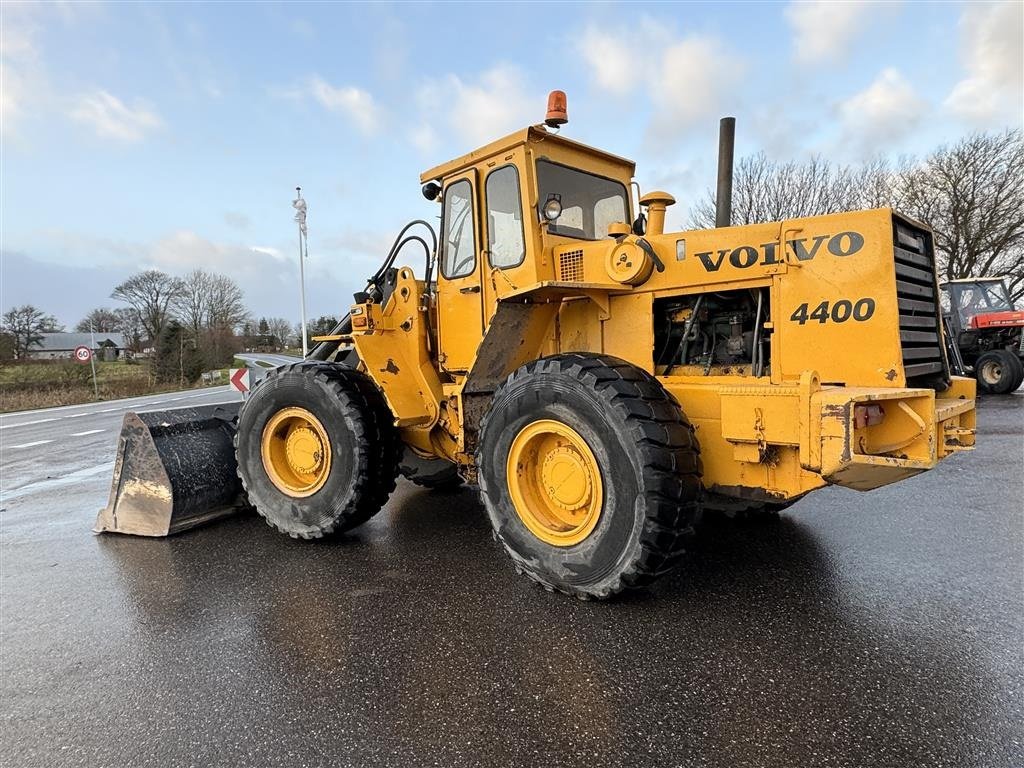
980 303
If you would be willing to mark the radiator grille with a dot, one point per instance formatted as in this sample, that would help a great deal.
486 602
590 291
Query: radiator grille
917 298
570 267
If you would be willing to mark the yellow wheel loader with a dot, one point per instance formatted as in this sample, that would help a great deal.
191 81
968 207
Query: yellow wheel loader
603 380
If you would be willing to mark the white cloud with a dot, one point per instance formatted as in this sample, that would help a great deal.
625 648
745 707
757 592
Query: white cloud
424 138
700 76
478 111
347 100
991 50
883 113
612 57
824 30
112 118
268 250
687 79
20 76
79 270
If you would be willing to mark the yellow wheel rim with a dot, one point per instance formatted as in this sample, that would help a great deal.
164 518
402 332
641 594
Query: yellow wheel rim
554 482
296 452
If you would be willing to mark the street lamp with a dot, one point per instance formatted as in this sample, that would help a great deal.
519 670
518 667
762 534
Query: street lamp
300 217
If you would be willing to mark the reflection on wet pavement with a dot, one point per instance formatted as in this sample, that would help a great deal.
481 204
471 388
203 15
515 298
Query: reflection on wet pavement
879 629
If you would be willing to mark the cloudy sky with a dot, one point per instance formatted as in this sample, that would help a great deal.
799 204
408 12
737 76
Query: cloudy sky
173 135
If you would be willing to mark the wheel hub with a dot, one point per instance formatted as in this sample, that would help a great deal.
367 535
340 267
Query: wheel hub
554 482
992 372
304 450
296 452
566 478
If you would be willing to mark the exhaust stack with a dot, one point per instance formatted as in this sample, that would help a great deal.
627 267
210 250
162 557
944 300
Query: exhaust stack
726 146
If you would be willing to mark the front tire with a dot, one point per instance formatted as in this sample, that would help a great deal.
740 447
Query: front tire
317 449
590 474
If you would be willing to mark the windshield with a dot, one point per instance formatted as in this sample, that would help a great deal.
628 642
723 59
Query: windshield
977 298
589 203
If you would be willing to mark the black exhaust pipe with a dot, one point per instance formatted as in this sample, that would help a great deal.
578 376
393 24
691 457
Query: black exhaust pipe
726 144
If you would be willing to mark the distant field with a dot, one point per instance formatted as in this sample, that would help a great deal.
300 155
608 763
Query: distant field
44 384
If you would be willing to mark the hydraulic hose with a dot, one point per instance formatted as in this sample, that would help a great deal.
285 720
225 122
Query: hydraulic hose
325 349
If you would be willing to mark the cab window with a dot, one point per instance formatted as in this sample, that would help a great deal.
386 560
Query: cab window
589 203
459 246
505 243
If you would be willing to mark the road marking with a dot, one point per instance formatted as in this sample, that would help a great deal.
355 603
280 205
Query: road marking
29 445
87 432
75 415
108 410
27 423
129 402
55 482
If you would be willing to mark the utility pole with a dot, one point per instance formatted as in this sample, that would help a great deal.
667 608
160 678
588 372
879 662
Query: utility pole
92 361
300 216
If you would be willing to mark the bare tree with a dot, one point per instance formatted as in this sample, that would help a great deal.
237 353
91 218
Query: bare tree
151 294
764 190
26 325
227 304
972 195
129 323
192 303
280 329
100 320
210 301
211 307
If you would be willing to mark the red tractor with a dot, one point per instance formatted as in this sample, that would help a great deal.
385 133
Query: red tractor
985 333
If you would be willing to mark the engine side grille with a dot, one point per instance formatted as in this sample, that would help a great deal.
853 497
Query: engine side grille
917 298
570 267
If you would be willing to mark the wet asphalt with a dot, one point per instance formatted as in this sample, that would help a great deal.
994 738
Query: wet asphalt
878 629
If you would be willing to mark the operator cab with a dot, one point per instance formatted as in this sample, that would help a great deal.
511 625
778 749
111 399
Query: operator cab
504 208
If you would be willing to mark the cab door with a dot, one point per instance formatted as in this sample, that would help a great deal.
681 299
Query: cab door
505 246
459 311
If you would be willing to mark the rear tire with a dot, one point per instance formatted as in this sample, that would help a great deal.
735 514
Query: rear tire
998 372
352 471
629 452
1019 378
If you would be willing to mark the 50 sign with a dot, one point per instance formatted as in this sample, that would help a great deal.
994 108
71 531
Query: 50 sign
839 312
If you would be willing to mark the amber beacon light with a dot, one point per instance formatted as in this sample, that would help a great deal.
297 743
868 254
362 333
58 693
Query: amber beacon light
558 113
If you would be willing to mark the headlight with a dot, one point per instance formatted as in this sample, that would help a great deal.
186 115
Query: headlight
552 208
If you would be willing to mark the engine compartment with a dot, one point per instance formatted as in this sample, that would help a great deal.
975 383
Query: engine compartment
713 333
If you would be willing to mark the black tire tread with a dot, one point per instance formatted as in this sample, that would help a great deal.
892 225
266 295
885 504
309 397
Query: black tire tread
374 426
671 463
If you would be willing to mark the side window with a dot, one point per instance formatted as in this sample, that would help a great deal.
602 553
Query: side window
459 242
504 218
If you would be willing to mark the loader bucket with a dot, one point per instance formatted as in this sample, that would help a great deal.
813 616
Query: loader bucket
174 470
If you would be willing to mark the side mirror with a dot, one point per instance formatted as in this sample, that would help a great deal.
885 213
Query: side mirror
640 225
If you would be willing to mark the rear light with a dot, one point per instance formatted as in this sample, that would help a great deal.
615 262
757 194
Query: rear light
867 415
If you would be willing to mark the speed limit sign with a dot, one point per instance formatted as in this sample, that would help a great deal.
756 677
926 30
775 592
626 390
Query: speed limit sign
83 354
